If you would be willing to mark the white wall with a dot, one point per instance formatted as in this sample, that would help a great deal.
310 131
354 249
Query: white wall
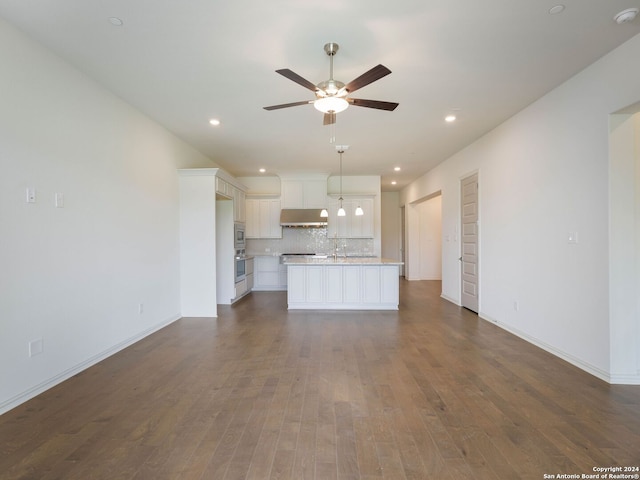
543 174
624 247
391 222
72 278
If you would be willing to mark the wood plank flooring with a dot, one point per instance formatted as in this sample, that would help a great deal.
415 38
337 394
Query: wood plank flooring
429 392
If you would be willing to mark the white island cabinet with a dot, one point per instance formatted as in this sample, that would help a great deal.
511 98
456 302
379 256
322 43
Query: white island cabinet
343 284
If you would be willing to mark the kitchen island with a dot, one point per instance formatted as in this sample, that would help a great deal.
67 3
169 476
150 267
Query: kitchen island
342 283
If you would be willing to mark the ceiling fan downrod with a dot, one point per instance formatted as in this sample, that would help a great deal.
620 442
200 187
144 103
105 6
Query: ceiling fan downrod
331 49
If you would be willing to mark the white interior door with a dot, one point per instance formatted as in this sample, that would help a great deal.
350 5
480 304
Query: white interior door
469 257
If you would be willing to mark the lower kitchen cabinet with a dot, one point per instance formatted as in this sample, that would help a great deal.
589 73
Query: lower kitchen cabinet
249 269
343 287
269 274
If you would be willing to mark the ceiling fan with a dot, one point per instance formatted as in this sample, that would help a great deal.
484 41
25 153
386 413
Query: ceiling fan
332 96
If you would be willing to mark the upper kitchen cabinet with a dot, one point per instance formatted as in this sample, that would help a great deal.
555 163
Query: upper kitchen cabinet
223 187
263 218
239 206
226 188
303 191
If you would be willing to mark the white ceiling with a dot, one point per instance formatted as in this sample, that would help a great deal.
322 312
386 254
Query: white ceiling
184 62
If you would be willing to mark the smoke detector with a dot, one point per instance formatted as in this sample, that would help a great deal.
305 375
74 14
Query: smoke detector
626 16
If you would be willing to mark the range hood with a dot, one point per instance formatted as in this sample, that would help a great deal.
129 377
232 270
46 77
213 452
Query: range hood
302 217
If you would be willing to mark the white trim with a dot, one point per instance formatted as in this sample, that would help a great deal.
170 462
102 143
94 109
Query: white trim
65 375
449 299
625 379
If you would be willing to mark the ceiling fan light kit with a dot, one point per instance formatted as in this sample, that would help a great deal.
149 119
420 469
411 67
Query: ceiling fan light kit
332 96
331 104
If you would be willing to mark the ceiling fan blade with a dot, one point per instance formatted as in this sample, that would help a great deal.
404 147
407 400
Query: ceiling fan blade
380 105
287 105
329 118
376 73
285 72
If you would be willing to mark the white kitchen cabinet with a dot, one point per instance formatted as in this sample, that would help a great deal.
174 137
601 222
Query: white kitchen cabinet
307 284
391 288
371 284
241 288
269 274
224 188
343 286
314 284
334 284
297 290
263 218
304 192
351 282
239 206
351 225
249 269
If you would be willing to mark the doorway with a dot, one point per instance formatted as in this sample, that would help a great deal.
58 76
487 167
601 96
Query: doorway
423 238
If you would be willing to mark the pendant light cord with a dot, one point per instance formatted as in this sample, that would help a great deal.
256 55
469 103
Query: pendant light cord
340 152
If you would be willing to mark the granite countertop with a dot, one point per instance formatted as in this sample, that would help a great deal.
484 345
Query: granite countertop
340 261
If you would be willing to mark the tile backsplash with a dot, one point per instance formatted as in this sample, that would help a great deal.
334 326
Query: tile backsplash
309 240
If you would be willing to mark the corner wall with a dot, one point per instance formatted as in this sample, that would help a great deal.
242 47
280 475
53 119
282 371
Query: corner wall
543 176
81 281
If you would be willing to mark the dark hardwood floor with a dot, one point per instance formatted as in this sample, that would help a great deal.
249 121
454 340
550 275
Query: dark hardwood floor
429 392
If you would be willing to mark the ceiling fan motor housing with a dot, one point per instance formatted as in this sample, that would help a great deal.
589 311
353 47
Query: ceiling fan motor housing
330 88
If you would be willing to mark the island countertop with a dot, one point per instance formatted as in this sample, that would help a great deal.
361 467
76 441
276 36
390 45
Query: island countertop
330 260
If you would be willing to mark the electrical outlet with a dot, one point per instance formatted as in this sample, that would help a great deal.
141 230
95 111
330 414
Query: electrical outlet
59 200
516 306
141 308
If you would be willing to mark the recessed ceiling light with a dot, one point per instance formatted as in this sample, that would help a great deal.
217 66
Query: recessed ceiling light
394 182
262 170
450 118
116 21
556 9
215 122
628 15
397 169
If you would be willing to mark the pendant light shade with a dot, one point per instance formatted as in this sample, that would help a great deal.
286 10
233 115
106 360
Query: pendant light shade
324 213
359 211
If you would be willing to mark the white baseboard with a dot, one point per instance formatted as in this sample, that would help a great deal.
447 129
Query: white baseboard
624 379
449 299
61 377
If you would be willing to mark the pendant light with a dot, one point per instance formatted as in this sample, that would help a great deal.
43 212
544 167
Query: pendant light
341 212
